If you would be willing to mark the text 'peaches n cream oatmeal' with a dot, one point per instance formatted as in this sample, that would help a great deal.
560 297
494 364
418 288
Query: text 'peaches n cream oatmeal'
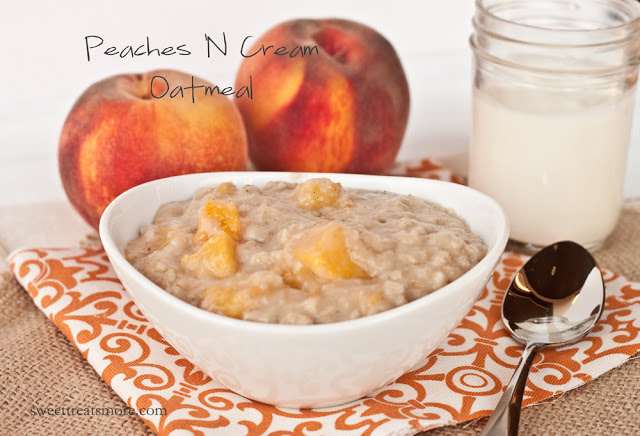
302 253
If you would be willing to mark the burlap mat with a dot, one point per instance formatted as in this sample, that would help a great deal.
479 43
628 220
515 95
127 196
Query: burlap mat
40 368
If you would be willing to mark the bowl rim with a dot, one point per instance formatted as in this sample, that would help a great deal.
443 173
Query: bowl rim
196 313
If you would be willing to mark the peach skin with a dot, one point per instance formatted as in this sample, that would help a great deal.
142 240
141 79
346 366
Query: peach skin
340 106
118 135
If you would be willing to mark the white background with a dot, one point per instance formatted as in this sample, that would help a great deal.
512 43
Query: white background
44 68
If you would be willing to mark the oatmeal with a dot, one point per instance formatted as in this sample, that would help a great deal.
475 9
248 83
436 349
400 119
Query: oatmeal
302 253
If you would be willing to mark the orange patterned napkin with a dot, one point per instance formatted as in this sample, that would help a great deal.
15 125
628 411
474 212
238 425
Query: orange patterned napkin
461 380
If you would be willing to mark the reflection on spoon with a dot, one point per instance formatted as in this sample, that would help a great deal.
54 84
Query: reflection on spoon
556 298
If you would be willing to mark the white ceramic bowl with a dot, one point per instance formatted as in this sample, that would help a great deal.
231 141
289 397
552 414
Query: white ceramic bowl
309 365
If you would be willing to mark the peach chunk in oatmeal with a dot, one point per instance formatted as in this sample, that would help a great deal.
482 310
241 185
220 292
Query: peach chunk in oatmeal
326 255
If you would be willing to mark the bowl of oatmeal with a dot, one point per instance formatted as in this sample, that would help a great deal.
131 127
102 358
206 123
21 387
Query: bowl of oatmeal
303 290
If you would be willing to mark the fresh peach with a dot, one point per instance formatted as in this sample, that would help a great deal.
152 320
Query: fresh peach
328 95
121 133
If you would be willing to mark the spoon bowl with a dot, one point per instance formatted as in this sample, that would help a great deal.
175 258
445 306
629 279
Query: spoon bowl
556 298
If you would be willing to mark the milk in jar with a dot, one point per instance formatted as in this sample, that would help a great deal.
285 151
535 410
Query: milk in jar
559 161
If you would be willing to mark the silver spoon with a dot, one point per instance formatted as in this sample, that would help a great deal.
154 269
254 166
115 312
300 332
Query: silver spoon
556 298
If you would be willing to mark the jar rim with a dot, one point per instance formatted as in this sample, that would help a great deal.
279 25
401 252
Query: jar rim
559 36
633 22
602 72
477 28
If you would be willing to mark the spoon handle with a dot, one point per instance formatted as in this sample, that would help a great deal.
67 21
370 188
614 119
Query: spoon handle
504 420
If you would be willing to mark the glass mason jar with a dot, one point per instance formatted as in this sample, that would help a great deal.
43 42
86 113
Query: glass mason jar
553 96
